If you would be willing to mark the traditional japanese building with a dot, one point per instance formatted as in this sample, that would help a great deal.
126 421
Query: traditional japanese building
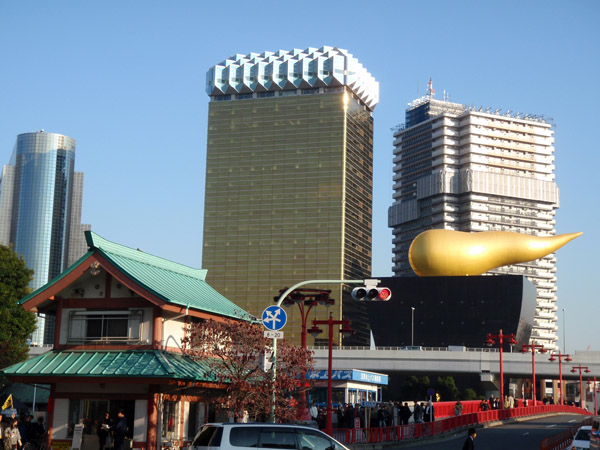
121 315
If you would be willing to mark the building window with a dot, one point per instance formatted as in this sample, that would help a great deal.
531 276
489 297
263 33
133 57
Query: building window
170 419
195 419
105 326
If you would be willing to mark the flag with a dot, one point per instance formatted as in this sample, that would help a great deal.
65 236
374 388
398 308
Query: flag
8 404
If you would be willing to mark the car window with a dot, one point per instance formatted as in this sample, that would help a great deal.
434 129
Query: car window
244 436
314 440
277 438
208 436
582 435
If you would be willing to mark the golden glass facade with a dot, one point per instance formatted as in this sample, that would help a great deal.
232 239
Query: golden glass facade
288 199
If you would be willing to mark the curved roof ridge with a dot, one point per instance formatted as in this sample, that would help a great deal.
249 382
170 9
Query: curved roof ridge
96 241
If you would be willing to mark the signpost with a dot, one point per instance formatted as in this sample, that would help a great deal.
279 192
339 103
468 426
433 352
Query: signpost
274 318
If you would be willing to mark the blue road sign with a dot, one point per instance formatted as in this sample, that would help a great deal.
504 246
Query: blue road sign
274 318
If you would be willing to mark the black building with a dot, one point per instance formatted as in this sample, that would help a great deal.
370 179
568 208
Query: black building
452 310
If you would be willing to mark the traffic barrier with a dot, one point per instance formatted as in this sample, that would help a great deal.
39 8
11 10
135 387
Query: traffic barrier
443 425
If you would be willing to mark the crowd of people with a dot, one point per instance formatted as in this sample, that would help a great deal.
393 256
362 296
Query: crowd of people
21 433
385 414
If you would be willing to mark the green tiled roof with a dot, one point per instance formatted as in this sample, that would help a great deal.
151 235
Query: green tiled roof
172 282
113 364
26 393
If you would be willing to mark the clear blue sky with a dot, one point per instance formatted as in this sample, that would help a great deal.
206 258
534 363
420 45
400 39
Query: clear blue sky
126 79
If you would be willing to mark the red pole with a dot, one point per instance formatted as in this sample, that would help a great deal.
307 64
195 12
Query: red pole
561 380
580 388
329 426
501 373
595 402
533 369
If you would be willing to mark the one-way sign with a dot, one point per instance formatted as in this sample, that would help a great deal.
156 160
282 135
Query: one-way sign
274 318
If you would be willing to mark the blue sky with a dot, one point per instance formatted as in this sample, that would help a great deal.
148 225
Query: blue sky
126 79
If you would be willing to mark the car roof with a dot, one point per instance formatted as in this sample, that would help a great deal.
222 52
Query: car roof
262 424
585 427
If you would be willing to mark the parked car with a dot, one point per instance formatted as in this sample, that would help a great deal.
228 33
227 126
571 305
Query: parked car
581 440
250 436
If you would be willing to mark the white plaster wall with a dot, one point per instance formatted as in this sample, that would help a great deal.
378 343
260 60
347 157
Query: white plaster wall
61 418
173 332
140 420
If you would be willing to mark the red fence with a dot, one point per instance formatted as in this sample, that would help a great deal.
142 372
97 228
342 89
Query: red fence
443 425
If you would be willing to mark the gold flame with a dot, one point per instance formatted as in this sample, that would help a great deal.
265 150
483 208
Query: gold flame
457 253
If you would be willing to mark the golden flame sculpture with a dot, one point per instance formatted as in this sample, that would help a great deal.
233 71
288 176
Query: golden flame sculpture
441 253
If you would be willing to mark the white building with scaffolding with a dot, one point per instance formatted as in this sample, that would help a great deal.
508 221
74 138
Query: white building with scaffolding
467 169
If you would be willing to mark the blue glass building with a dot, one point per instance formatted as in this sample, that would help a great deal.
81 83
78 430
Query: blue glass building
40 206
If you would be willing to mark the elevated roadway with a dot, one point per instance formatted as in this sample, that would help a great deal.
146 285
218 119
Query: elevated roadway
430 361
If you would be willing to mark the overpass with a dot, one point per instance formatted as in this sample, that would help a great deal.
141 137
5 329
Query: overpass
442 360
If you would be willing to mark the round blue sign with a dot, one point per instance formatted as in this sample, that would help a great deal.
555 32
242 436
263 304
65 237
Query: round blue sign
274 318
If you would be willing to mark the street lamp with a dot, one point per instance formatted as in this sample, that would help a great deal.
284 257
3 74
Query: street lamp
581 369
526 348
412 334
306 299
315 331
560 356
489 342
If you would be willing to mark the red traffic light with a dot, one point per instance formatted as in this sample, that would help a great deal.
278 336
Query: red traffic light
385 294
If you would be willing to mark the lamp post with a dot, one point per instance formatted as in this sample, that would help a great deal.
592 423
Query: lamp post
560 356
412 333
315 331
306 299
489 342
581 369
526 348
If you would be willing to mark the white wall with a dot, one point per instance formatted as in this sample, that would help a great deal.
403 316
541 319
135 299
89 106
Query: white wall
61 418
140 420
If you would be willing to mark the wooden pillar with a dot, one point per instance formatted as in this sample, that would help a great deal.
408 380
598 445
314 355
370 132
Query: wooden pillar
153 399
50 419
157 328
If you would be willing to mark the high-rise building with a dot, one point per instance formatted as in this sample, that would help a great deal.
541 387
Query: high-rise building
40 209
466 169
289 178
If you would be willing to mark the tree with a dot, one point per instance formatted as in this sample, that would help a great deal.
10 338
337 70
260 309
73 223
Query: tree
16 324
415 387
234 352
447 389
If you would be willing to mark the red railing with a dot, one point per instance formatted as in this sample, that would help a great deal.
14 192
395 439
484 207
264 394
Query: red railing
444 424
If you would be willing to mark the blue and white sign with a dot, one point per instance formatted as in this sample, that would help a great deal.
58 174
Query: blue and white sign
274 318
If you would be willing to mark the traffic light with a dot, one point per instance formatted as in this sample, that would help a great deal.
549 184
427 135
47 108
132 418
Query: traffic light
371 294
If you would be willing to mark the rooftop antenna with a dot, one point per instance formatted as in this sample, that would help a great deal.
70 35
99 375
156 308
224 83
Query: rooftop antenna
446 96
430 89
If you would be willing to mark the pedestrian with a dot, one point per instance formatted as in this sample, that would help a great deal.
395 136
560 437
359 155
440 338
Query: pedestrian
417 413
314 411
14 436
458 407
470 441
405 413
429 412
103 432
119 430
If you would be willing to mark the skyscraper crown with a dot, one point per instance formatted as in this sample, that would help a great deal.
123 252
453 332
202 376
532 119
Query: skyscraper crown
294 69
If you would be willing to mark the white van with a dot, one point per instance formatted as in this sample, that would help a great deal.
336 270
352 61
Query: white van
250 436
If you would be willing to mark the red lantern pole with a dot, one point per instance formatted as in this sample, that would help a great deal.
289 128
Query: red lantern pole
581 369
533 347
560 356
345 330
489 342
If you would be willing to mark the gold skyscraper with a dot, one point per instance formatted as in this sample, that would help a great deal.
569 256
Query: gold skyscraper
289 178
